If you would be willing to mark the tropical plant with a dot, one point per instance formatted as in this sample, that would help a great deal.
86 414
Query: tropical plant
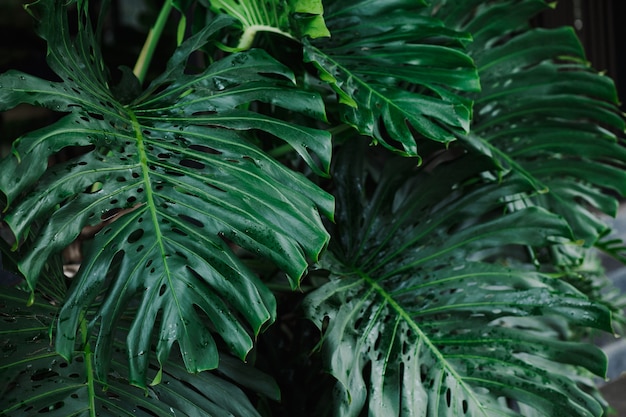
382 208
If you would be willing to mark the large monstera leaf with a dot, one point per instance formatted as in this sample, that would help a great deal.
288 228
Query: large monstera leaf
423 317
397 72
543 113
57 387
178 178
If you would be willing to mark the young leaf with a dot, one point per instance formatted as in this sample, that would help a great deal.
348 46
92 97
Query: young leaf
423 318
399 73
293 18
178 179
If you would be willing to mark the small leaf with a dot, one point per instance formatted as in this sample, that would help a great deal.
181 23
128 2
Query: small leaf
294 18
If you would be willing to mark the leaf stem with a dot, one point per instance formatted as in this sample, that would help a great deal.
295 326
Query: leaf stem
89 368
249 33
147 52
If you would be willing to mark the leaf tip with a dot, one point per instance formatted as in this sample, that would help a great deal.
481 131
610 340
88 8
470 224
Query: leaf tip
158 377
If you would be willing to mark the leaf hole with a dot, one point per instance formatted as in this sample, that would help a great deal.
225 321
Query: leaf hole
42 374
205 149
97 116
172 173
190 163
423 373
178 231
191 220
162 289
109 214
135 236
57 405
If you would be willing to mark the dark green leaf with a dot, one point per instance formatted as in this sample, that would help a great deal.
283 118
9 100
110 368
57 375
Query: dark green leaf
57 387
398 73
542 112
426 317
178 179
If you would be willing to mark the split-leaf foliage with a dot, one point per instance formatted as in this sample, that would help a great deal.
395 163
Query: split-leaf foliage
383 208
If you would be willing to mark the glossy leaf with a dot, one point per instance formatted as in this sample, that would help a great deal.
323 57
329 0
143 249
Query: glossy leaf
180 182
543 113
398 73
57 387
425 317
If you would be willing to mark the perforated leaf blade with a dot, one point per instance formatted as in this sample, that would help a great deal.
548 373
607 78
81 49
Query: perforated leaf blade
398 73
424 317
180 182
543 112
57 387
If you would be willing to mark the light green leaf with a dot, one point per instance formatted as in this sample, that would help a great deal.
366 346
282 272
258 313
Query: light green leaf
179 178
293 18
399 74
423 315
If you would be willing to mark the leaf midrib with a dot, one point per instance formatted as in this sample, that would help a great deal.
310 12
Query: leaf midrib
143 161
404 315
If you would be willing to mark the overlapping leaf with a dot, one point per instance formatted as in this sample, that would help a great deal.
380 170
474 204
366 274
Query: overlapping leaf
543 113
294 18
178 172
398 73
57 387
423 316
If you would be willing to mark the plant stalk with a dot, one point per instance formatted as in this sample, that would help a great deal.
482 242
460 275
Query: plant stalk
147 52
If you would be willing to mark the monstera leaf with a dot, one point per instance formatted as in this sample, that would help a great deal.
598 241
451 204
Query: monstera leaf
57 387
424 316
398 73
543 113
181 184
293 18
